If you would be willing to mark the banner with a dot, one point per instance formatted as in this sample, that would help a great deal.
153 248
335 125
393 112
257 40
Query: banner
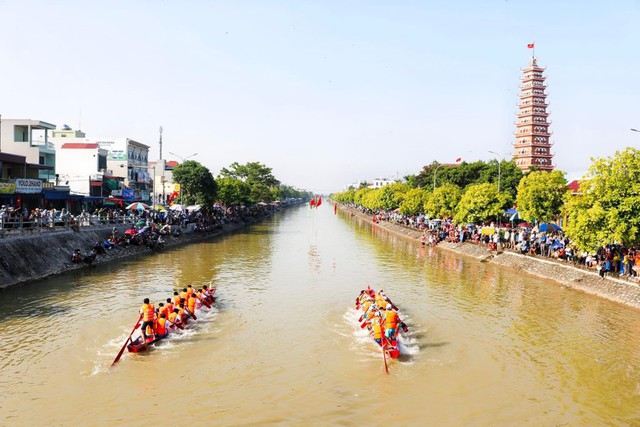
28 186
127 195
7 187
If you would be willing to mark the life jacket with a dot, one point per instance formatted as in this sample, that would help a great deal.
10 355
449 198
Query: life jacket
380 300
172 317
377 330
391 319
148 312
366 305
149 332
190 291
162 310
192 304
176 300
185 296
170 308
161 328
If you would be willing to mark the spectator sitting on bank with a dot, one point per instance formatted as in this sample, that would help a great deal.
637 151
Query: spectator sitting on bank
76 256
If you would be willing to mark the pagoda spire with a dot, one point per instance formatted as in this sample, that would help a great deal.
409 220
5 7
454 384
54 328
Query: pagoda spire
532 145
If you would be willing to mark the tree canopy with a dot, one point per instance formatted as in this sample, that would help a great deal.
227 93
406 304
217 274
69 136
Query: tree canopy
443 201
197 184
606 210
258 177
540 195
479 203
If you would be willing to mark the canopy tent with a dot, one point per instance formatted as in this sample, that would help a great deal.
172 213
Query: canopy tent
548 226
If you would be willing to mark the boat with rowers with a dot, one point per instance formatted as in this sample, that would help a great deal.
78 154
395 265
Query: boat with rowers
159 323
380 317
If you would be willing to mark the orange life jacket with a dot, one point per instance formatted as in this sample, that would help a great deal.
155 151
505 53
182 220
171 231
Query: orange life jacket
190 291
185 296
170 308
148 312
176 300
149 332
162 310
172 317
161 327
377 330
391 319
192 304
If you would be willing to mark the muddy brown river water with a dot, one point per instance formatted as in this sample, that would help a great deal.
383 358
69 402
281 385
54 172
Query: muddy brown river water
486 346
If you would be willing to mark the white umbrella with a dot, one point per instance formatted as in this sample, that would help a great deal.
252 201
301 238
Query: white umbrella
176 207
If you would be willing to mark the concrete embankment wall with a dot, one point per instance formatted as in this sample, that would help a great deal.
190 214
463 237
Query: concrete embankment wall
614 289
28 257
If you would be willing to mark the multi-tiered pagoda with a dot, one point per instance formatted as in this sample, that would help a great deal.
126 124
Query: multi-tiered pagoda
532 145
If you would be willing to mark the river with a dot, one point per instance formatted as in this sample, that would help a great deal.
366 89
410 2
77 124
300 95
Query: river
486 345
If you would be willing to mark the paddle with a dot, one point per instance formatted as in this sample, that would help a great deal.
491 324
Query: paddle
127 341
382 345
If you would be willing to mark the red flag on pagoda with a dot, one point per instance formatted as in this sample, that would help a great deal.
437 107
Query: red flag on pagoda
319 201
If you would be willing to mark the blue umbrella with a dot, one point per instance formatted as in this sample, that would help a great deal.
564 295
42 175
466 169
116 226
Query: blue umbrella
548 226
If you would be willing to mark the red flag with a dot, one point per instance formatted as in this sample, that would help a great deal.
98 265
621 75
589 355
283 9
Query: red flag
319 201
458 159
312 202
335 209
531 45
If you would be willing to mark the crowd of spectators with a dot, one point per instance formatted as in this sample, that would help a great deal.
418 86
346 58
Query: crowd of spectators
611 259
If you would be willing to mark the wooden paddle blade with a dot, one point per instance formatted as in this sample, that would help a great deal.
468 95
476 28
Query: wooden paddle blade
127 341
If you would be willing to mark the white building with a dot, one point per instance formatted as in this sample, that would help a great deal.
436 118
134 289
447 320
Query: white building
129 159
30 138
379 182
81 166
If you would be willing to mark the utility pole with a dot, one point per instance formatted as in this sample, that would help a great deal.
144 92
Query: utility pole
160 142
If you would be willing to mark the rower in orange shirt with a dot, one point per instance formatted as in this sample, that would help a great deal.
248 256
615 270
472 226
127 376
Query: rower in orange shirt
148 312
191 303
161 325
176 299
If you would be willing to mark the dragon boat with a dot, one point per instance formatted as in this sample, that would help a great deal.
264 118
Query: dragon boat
367 303
139 345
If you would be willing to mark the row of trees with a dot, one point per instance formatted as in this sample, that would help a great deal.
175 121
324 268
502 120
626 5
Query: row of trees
605 211
237 185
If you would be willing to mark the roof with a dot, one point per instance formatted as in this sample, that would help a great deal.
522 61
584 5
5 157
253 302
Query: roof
35 124
574 186
172 163
80 145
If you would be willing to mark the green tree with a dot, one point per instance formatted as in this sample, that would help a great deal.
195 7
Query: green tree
413 201
607 209
443 201
257 176
479 203
233 192
541 195
360 195
197 184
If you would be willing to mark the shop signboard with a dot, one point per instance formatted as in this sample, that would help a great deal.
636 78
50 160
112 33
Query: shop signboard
28 186
127 195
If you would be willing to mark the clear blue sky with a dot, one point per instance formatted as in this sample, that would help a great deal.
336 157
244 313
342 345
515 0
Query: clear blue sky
325 92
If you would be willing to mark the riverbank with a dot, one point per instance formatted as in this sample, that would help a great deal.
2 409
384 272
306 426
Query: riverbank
30 257
611 288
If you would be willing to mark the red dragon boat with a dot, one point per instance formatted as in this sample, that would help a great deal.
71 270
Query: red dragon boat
367 303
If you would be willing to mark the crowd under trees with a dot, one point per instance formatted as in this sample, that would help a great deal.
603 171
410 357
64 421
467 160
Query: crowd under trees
603 211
